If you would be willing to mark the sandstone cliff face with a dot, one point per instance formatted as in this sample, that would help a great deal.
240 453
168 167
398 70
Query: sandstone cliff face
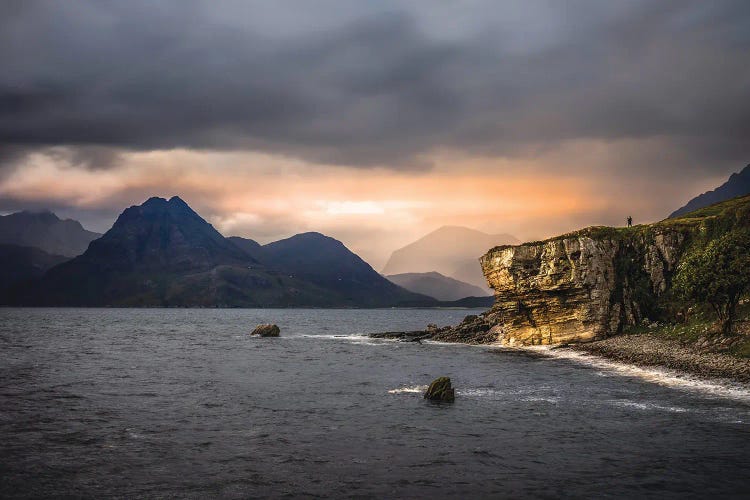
582 286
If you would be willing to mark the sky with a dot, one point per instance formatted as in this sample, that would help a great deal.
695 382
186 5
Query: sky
373 122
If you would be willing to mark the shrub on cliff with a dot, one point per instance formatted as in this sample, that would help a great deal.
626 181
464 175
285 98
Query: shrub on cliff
717 274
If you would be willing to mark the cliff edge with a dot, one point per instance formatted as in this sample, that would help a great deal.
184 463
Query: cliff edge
590 284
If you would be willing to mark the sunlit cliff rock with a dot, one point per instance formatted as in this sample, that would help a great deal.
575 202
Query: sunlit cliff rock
592 283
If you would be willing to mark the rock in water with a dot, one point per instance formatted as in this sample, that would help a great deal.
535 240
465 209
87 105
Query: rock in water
267 330
440 390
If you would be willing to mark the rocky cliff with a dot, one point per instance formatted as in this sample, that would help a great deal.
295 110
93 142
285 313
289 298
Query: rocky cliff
592 283
581 286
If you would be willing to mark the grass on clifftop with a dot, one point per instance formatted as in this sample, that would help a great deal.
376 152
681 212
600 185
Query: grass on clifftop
723 215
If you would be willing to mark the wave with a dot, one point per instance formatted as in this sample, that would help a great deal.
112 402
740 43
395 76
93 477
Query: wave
408 389
662 376
648 406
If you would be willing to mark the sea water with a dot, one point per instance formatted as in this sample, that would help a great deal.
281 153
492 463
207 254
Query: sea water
184 403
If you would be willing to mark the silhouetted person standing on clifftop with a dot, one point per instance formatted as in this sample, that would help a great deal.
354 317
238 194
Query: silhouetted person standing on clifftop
630 221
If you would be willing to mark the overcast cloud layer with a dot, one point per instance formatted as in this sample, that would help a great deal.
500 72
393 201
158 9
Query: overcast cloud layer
374 83
373 122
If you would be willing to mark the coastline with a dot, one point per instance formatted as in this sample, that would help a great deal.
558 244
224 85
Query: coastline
647 350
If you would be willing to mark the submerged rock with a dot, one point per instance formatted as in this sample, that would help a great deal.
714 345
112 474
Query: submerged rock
440 390
267 330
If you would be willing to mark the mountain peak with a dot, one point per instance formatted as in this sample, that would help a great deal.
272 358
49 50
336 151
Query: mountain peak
154 201
166 234
45 215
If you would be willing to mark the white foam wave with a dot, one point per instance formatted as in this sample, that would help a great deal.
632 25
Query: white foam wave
648 406
408 390
657 375
359 339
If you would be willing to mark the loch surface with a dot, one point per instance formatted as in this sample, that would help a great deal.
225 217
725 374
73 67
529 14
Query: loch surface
184 403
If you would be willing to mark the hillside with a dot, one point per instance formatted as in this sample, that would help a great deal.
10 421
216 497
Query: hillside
737 185
326 262
19 264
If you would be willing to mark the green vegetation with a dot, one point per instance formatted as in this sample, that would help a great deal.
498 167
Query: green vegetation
700 327
717 274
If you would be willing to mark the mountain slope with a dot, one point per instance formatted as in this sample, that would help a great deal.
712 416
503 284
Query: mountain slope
250 247
326 262
737 185
18 264
452 251
436 285
46 231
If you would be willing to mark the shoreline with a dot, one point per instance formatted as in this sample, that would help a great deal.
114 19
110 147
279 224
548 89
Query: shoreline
645 350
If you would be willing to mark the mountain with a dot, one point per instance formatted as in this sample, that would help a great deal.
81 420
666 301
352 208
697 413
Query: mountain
452 251
327 263
162 253
434 284
46 231
19 264
737 185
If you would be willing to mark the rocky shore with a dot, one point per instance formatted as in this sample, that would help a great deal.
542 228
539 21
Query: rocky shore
474 329
652 350
705 357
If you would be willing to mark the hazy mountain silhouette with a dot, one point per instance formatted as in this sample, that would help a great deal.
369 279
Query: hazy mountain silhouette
46 231
737 185
162 253
436 285
452 251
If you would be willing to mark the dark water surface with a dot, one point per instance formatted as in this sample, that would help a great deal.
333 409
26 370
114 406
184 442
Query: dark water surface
183 403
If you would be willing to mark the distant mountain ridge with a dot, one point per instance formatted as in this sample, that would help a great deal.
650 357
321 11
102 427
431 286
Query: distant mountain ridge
452 251
46 231
162 253
738 184
436 285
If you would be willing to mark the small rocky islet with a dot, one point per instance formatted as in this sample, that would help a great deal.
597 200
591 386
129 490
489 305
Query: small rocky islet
441 390
266 330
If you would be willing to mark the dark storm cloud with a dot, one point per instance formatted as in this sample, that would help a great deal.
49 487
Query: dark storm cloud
374 83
